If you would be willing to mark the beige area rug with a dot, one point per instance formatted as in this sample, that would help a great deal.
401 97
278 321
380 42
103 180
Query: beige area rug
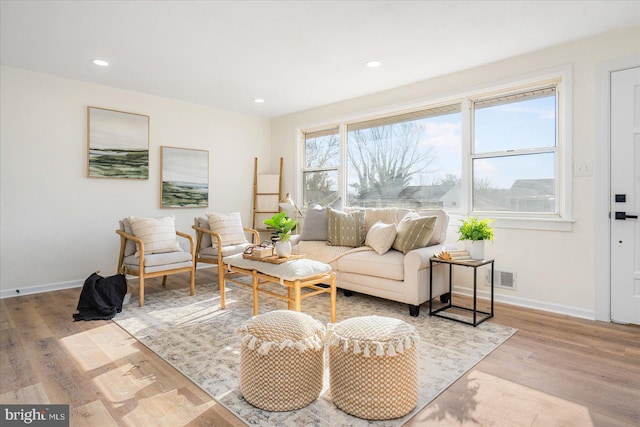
200 341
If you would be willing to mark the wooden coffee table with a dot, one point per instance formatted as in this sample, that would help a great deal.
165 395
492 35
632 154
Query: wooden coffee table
305 274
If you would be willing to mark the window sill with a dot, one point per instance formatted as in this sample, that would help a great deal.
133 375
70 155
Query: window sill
522 223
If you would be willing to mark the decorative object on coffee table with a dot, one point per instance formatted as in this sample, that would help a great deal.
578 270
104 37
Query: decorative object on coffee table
373 367
476 231
281 227
281 360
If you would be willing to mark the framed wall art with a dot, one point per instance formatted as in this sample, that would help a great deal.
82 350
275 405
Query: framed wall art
118 144
185 178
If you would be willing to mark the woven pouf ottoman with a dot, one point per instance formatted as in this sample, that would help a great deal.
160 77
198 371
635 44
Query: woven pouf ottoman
281 360
373 367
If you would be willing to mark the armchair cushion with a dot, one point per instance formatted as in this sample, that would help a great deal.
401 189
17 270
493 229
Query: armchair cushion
157 234
212 252
206 238
130 245
228 226
164 259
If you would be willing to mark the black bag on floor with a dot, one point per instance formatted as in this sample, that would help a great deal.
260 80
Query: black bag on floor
101 297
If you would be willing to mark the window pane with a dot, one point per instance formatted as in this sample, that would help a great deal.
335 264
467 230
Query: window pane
514 183
322 151
415 163
530 123
320 187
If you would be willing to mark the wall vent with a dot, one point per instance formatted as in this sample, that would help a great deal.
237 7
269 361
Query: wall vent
501 279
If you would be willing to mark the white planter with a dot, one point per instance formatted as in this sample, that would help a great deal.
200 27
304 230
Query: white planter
283 249
475 248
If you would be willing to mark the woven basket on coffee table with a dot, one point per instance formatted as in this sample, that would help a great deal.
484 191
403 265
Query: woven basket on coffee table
281 360
373 367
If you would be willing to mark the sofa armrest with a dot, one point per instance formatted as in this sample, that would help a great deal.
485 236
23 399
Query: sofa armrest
418 259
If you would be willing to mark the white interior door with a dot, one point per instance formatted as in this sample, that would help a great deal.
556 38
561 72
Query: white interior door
625 196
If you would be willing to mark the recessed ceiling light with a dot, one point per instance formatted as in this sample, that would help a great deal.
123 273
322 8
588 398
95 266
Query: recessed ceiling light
101 62
373 64
258 100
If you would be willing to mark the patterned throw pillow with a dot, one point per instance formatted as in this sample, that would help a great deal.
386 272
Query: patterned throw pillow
345 229
228 226
414 231
157 234
380 237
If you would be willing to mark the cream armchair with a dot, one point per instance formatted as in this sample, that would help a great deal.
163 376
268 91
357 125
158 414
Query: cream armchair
145 257
211 246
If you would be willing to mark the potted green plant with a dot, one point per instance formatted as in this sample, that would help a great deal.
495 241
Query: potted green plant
476 231
281 226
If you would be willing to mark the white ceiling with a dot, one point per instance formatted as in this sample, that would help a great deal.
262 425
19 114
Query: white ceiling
294 54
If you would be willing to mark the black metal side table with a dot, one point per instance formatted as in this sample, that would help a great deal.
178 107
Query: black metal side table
440 312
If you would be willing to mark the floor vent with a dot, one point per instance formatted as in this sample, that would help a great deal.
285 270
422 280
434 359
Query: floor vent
501 279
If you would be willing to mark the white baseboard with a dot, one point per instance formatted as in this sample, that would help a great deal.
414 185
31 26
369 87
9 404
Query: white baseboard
38 289
49 287
529 303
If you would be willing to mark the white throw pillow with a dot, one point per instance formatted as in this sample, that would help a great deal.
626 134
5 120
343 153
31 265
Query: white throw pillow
228 226
157 234
380 237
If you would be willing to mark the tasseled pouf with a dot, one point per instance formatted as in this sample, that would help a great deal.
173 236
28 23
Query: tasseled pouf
373 367
281 360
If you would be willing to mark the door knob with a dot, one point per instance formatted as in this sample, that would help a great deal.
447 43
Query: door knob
624 215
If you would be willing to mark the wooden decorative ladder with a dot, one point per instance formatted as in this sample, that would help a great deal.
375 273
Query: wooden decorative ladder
267 193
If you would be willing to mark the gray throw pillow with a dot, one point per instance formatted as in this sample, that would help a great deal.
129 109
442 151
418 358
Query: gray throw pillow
315 224
345 229
315 221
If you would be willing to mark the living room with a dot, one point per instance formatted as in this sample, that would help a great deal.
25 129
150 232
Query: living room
58 225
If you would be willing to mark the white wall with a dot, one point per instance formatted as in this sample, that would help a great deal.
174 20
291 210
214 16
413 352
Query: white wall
555 270
56 225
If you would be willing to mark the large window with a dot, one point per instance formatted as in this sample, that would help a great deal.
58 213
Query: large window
410 160
497 155
320 170
514 152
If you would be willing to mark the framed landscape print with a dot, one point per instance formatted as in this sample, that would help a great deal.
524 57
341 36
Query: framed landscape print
118 144
185 178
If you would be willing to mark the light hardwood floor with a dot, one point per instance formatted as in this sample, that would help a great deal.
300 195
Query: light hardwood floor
556 371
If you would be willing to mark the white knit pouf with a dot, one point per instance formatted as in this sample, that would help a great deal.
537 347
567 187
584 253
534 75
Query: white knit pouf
281 360
373 367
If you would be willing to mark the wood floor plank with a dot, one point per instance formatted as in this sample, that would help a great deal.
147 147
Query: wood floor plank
557 370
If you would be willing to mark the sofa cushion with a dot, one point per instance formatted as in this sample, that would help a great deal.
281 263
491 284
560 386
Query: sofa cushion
315 221
380 237
369 263
228 226
157 234
414 231
345 229
440 229
386 215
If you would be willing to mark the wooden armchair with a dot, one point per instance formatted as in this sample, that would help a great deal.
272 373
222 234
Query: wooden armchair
210 248
145 265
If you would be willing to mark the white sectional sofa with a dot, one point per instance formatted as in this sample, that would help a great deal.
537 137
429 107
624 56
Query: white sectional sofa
394 275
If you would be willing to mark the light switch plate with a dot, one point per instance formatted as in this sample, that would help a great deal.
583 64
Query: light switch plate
582 169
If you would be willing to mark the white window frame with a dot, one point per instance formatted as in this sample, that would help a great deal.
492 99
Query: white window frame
562 76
